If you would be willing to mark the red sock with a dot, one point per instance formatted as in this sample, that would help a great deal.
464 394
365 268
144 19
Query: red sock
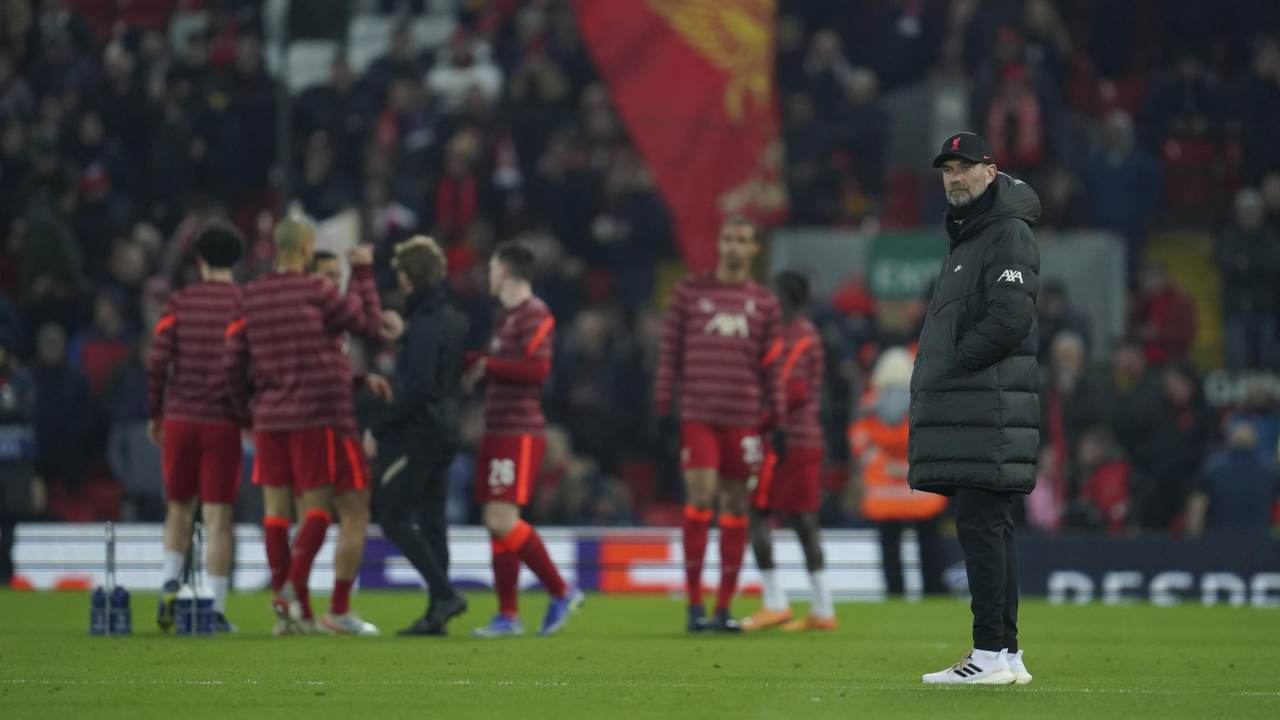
506 575
340 603
305 547
733 545
696 524
524 540
275 534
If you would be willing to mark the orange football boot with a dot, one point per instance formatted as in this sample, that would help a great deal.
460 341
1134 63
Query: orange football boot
810 622
764 618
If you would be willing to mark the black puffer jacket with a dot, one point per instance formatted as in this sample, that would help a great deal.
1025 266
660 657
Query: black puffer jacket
975 409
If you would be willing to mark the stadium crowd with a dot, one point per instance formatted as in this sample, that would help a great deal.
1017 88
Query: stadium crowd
116 143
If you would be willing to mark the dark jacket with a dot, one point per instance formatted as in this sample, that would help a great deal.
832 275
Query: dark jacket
975 410
428 390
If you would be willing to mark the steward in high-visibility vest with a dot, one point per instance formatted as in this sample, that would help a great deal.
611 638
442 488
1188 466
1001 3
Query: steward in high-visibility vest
878 444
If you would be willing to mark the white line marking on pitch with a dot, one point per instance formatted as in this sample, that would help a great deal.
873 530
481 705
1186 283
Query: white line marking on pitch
636 685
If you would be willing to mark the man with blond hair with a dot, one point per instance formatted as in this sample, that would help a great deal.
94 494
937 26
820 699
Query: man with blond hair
283 349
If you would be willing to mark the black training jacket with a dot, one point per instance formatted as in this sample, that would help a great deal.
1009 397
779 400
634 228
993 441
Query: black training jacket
428 389
975 408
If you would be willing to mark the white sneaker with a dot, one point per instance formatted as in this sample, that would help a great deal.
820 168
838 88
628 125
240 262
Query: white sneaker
348 624
979 667
1018 668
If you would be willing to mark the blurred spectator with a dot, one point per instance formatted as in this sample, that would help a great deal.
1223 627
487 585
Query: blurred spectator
1134 394
585 389
400 63
1016 122
462 195
1237 488
1163 316
22 493
1070 403
1271 199
1258 411
63 411
1103 479
864 132
1256 97
339 111
827 72
1048 44
323 191
1123 182
1185 104
811 180
1177 434
247 153
1058 316
464 66
1063 201
103 345
52 274
133 458
1248 254
539 92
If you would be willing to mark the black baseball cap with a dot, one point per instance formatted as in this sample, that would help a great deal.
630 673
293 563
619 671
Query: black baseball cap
965 146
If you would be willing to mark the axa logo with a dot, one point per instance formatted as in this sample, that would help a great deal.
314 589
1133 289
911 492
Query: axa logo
1011 276
728 325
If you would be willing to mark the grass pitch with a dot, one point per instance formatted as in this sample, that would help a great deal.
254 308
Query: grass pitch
627 657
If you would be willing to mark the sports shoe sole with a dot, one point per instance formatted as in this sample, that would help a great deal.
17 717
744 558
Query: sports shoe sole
999 677
1023 679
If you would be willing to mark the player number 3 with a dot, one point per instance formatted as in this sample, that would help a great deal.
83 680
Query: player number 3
752 450
502 473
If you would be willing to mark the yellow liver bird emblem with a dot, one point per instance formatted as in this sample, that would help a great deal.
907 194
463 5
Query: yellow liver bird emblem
737 37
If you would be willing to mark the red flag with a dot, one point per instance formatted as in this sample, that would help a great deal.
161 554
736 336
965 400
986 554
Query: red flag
694 83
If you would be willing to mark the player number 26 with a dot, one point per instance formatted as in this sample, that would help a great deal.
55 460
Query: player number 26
502 473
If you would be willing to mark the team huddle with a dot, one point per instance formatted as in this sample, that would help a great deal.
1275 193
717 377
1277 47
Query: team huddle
740 367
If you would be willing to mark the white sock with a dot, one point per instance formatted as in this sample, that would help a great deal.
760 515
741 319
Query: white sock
219 585
775 598
172 565
822 606
986 656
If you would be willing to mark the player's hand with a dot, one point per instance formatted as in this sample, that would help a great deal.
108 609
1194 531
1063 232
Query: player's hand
392 326
155 430
778 439
370 444
379 386
360 255
473 375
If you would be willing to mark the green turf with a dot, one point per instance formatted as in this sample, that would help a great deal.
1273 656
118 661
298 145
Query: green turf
626 657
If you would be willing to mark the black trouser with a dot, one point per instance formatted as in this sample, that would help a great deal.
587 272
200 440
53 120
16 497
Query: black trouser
984 526
932 560
7 528
413 477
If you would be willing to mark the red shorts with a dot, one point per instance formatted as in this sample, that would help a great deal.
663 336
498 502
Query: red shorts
309 459
200 457
793 487
736 453
506 467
